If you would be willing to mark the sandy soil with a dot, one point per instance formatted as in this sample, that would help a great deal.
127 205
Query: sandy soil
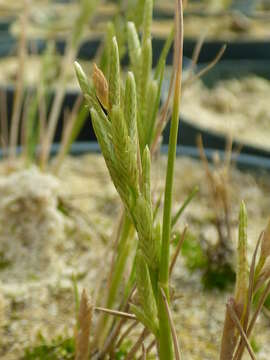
52 228
229 109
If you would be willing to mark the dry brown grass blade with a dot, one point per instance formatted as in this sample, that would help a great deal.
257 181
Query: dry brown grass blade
143 352
212 185
229 336
126 333
150 347
136 347
177 352
195 55
207 68
234 317
178 248
84 322
110 341
116 313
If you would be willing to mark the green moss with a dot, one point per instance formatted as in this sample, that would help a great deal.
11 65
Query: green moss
193 253
4 263
218 276
214 275
255 346
58 349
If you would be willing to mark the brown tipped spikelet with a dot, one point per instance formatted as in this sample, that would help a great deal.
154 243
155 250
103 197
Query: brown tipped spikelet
84 323
101 87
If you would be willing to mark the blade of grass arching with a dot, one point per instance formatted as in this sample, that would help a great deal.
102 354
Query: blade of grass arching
19 90
184 205
178 248
206 69
165 339
164 54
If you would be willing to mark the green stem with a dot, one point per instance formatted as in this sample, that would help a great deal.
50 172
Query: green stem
165 342
165 339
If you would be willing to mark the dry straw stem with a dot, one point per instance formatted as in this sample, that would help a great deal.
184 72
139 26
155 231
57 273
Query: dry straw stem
178 248
86 9
84 322
116 313
235 318
206 69
136 347
18 99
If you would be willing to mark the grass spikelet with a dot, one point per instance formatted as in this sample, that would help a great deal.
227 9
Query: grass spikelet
147 20
82 78
84 321
145 292
144 78
134 47
126 155
143 223
103 137
101 86
114 76
146 174
130 107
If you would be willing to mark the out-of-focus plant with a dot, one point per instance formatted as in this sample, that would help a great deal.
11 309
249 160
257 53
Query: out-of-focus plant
250 280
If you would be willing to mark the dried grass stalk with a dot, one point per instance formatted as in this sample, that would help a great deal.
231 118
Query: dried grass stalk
84 322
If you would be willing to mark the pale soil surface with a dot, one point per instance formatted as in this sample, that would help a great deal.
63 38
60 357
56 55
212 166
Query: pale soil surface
33 71
52 228
227 27
235 107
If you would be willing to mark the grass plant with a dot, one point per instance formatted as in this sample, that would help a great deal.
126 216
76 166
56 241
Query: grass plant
126 133
124 109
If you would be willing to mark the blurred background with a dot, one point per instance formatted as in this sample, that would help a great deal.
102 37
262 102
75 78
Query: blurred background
39 41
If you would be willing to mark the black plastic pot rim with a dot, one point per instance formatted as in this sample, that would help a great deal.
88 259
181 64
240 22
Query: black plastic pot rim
242 161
